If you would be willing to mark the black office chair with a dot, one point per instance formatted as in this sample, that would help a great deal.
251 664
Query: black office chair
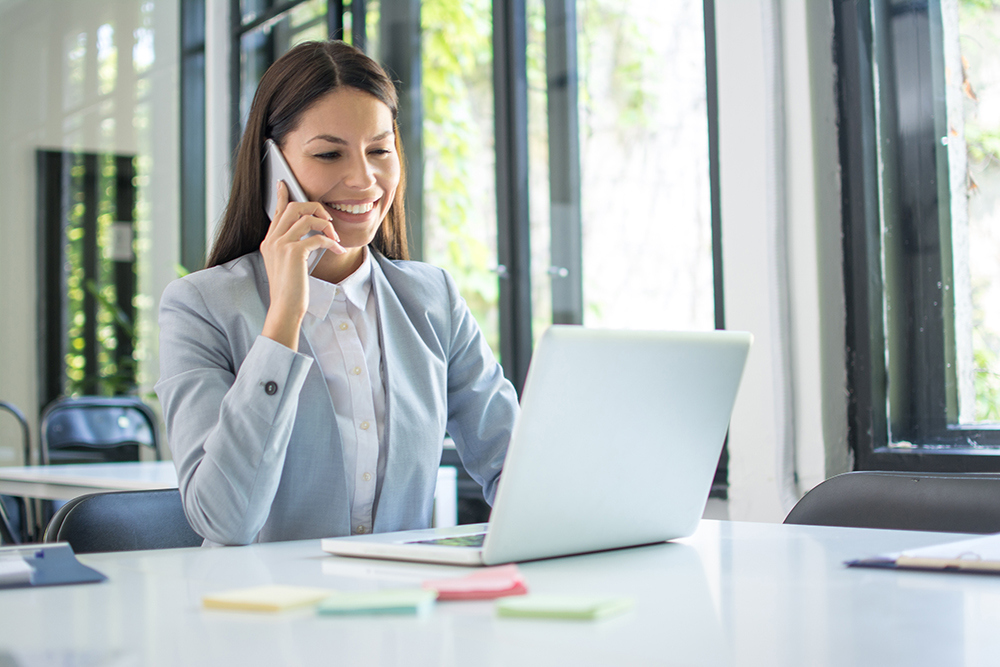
97 429
8 534
940 502
123 521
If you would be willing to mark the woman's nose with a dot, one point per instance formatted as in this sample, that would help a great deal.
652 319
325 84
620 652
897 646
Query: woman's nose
360 173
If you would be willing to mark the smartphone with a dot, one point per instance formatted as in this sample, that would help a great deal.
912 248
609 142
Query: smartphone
277 169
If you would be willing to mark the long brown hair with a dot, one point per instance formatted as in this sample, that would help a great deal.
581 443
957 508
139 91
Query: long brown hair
288 88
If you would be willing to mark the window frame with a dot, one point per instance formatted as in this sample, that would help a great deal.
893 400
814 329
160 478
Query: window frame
902 379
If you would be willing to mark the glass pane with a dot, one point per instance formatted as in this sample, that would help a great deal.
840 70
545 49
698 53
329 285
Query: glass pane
373 12
972 64
460 228
538 172
251 9
647 241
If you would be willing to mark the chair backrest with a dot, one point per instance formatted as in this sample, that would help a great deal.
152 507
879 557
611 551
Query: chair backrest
940 502
7 533
123 521
97 429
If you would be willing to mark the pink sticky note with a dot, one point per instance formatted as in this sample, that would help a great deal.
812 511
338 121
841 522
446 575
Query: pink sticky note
484 584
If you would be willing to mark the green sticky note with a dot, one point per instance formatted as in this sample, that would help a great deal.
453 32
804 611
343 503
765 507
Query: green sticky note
388 601
574 607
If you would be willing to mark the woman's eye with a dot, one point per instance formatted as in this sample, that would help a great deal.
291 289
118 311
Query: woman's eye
328 156
381 151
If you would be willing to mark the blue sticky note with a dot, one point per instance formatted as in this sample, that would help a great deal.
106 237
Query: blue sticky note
386 601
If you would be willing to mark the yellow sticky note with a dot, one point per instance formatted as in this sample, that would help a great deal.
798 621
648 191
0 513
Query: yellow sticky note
266 598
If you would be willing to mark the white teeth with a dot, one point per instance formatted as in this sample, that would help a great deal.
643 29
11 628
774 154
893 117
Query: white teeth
356 209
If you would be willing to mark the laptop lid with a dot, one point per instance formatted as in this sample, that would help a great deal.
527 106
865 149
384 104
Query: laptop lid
616 445
617 442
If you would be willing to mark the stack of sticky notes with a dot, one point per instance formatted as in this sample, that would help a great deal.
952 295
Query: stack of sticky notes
325 600
266 598
485 584
489 583
572 607
387 601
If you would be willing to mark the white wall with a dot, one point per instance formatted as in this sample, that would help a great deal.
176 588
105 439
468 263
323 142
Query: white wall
781 249
38 109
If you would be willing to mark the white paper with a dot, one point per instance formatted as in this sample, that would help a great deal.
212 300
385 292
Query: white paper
986 548
14 570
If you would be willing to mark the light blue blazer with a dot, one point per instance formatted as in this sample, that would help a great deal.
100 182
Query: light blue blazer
251 423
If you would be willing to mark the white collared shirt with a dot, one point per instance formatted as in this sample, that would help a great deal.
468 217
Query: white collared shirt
341 323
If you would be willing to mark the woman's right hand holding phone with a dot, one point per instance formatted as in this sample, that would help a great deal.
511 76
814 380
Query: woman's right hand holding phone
286 250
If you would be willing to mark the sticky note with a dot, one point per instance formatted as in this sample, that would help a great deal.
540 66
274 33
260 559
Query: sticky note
574 607
266 598
386 601
485 584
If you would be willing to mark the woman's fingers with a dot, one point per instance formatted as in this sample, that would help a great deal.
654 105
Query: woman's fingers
295 221
282 200
287 213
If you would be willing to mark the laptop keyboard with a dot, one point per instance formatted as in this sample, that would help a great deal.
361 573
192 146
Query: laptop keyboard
460 541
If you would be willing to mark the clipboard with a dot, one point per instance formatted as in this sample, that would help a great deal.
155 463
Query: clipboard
980 555
43 565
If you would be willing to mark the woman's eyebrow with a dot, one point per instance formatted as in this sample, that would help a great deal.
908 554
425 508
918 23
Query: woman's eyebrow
337 140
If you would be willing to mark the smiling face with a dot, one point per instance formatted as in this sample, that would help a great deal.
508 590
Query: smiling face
343 154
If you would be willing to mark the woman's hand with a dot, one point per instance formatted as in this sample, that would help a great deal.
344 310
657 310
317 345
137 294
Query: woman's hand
286 254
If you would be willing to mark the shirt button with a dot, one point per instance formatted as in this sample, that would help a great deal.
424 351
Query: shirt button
357 370
343 326
360 530
364 426
367 477
271 388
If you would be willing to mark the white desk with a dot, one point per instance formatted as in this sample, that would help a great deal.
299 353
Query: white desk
734 594
65 482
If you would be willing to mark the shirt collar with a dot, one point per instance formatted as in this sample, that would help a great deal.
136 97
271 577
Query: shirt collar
355 289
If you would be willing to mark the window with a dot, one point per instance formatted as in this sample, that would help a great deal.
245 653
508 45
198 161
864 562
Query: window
96 218
919 167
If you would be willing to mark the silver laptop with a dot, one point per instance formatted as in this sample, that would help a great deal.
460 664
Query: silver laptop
616 445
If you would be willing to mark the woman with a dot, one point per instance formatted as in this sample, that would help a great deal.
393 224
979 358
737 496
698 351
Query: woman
301 406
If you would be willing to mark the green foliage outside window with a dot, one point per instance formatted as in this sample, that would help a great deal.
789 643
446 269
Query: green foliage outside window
979 21
114 374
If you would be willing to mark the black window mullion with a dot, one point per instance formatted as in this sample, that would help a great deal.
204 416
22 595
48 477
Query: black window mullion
359 17
192 162
712 113
919 406
193 137
859 200
720 483
91 277
510 84
235 73
124 270
399 42
53 209
335 19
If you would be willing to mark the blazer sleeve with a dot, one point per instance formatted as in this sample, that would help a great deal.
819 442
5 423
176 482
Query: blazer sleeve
228 419
482 403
